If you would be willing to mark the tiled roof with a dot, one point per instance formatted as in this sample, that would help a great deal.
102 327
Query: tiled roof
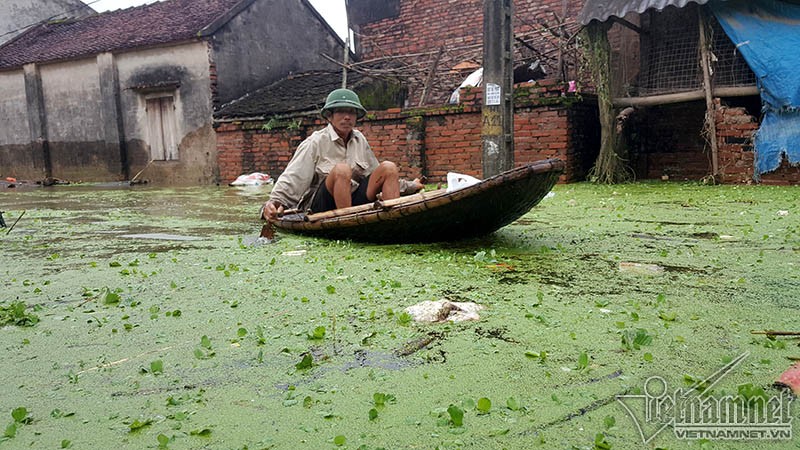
303 92
157 23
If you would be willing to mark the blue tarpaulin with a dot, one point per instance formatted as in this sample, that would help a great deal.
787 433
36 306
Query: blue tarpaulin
767 33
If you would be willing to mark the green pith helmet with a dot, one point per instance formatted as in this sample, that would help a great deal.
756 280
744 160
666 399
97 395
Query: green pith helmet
343 98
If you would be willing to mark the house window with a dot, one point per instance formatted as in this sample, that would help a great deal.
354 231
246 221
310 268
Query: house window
161 126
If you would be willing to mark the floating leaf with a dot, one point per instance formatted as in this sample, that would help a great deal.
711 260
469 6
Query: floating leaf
634 340
11 430
667 316
456 415
14 314
339 440
600 442
163 440
111 298
157 367
139 424
583 361
19 414
373 414
484 405
513 404
204 432
330 289
66 443
318 333
205 341
305 363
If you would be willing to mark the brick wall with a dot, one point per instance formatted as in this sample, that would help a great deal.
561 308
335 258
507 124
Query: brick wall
432 141
735 130
424 26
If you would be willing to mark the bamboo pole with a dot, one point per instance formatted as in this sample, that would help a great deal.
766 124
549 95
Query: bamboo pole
710 119
680 97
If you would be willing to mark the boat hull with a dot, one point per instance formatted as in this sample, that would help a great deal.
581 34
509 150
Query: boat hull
436 216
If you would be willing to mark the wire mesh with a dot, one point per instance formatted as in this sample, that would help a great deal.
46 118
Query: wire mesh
669 53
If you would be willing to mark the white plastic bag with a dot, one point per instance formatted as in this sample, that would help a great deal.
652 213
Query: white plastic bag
253 179
456 181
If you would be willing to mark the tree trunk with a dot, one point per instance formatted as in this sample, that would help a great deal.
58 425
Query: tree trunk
611 165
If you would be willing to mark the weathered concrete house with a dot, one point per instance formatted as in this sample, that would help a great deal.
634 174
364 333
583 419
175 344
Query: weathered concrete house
17 16
106 96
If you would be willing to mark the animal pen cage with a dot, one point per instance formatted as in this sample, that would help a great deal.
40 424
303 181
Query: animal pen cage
669 54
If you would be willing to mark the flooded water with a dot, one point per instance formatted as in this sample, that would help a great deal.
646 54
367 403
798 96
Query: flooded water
146 318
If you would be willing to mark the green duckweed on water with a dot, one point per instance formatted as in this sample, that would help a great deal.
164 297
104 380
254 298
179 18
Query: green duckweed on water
141 318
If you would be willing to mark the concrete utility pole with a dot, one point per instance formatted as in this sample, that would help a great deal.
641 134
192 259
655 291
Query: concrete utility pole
497 132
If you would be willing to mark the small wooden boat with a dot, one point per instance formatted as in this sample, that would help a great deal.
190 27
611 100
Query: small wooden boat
436 215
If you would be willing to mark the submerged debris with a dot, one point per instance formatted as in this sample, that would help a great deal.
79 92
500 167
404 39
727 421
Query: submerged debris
791 378
640 268
444 311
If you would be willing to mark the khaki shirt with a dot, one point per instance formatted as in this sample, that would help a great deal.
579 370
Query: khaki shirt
313 161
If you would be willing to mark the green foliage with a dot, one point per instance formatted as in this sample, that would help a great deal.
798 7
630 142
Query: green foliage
484 405
541 356
318 333
513 404
635 339
275 122
306 363
20 415
600 442
137 424
111 297
14 314
157 367
205 351
456 415
583 361
404 318
752 396
163 440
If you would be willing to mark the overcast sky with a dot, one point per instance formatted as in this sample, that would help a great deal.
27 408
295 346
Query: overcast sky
332 10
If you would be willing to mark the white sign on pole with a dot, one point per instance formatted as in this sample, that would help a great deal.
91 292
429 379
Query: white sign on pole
493 93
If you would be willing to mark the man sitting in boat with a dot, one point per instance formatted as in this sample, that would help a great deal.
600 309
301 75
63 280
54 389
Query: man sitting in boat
335 167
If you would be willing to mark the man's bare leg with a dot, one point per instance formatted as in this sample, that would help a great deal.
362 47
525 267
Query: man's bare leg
385 179
338 184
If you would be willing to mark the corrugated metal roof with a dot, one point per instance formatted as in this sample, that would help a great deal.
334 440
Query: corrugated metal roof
603 9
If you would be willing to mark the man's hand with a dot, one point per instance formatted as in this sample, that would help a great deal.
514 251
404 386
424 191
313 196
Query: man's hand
416 185
271 210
